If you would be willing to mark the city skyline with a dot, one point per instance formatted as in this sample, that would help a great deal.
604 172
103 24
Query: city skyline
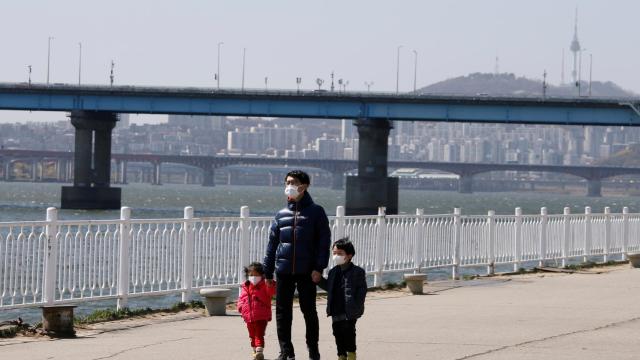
177 45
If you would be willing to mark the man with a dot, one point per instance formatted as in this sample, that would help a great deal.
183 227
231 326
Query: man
298 252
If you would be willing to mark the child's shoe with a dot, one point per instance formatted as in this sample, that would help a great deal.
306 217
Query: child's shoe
351 356
259 354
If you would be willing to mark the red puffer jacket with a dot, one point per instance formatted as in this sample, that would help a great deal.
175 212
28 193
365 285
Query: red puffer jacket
254 302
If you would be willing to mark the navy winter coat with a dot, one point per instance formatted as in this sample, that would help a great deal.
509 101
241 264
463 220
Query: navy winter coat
299 239
353 288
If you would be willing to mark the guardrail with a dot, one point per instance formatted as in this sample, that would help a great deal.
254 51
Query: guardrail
61 262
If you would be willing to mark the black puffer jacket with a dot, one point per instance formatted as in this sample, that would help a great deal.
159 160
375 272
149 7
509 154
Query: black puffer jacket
353 287
299 239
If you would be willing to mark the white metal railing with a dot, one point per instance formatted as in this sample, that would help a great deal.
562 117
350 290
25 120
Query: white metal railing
56 262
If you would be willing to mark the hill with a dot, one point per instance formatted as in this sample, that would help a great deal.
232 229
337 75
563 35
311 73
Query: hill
505 84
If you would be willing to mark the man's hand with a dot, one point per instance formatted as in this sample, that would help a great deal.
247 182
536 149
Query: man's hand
270 282
316 276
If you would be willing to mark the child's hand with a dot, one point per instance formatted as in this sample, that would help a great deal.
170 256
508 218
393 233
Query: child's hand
270 282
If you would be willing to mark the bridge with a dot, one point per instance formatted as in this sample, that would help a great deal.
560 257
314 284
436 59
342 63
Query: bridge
593 174
94 112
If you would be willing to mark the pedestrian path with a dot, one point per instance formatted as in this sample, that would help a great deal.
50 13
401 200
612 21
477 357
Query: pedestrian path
534 316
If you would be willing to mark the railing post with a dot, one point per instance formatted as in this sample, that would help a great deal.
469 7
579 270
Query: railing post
187 254
491 223
245 238
339 222
566 235
517 248
607 232
380 241
419 238
51 264
587 234
457 233
123 257
544 222
625 232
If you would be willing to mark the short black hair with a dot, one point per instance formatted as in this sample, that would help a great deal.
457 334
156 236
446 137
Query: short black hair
302 176
346 245
254 266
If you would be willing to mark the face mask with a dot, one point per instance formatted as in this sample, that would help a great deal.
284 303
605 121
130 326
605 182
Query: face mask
291 191
339 259
255 279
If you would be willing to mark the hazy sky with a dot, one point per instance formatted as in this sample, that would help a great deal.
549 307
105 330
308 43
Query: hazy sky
174 43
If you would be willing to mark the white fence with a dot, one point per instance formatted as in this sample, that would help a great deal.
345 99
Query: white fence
55 262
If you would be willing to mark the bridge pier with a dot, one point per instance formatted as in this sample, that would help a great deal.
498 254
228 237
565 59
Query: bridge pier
337 180
34 170
92 163
594 187
208 174
372 188
157 166
465 184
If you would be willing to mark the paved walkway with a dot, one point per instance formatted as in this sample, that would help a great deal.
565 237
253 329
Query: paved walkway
536 316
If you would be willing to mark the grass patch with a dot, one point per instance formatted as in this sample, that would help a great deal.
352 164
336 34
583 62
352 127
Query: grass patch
104 315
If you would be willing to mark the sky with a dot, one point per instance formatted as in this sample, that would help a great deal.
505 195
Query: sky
175 43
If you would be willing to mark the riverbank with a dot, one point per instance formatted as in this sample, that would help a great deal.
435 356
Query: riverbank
588 315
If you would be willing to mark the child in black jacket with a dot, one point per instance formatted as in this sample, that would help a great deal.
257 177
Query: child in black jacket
346 287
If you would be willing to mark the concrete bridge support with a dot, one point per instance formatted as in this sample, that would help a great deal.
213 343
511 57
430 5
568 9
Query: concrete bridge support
372 187
465 184
208 174
337 180
6 167
92 164
156 180
34 170
594 187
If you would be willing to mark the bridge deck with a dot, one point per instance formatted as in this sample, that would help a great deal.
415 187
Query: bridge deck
318 104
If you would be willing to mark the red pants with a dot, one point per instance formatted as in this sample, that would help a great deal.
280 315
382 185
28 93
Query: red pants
256 332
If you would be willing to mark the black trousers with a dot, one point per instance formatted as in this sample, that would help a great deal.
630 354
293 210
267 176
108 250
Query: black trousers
345 333
286 286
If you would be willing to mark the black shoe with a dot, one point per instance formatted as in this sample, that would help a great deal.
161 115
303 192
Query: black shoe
286 357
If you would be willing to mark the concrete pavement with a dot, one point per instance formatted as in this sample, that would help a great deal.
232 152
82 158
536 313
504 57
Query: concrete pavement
534 316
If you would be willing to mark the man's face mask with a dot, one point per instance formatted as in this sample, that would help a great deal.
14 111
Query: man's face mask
291 191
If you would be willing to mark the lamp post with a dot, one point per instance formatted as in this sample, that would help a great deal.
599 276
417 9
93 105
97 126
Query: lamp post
590 72
298 82
244 53
218 73
49 57
266 83
79 63
415 69
398 69
111 76
368 85
29 67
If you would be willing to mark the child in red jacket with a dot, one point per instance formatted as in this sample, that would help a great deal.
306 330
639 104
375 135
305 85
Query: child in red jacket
254 304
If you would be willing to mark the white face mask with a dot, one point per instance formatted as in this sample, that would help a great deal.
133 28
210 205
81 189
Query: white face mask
339 259
255 279
291 191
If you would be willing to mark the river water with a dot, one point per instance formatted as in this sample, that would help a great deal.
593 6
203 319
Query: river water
28 201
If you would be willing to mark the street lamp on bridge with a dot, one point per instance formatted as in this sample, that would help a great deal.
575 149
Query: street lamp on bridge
217 77
49 57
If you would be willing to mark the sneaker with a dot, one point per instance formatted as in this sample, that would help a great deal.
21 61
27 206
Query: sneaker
351 356
286 357
342 357
259 354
